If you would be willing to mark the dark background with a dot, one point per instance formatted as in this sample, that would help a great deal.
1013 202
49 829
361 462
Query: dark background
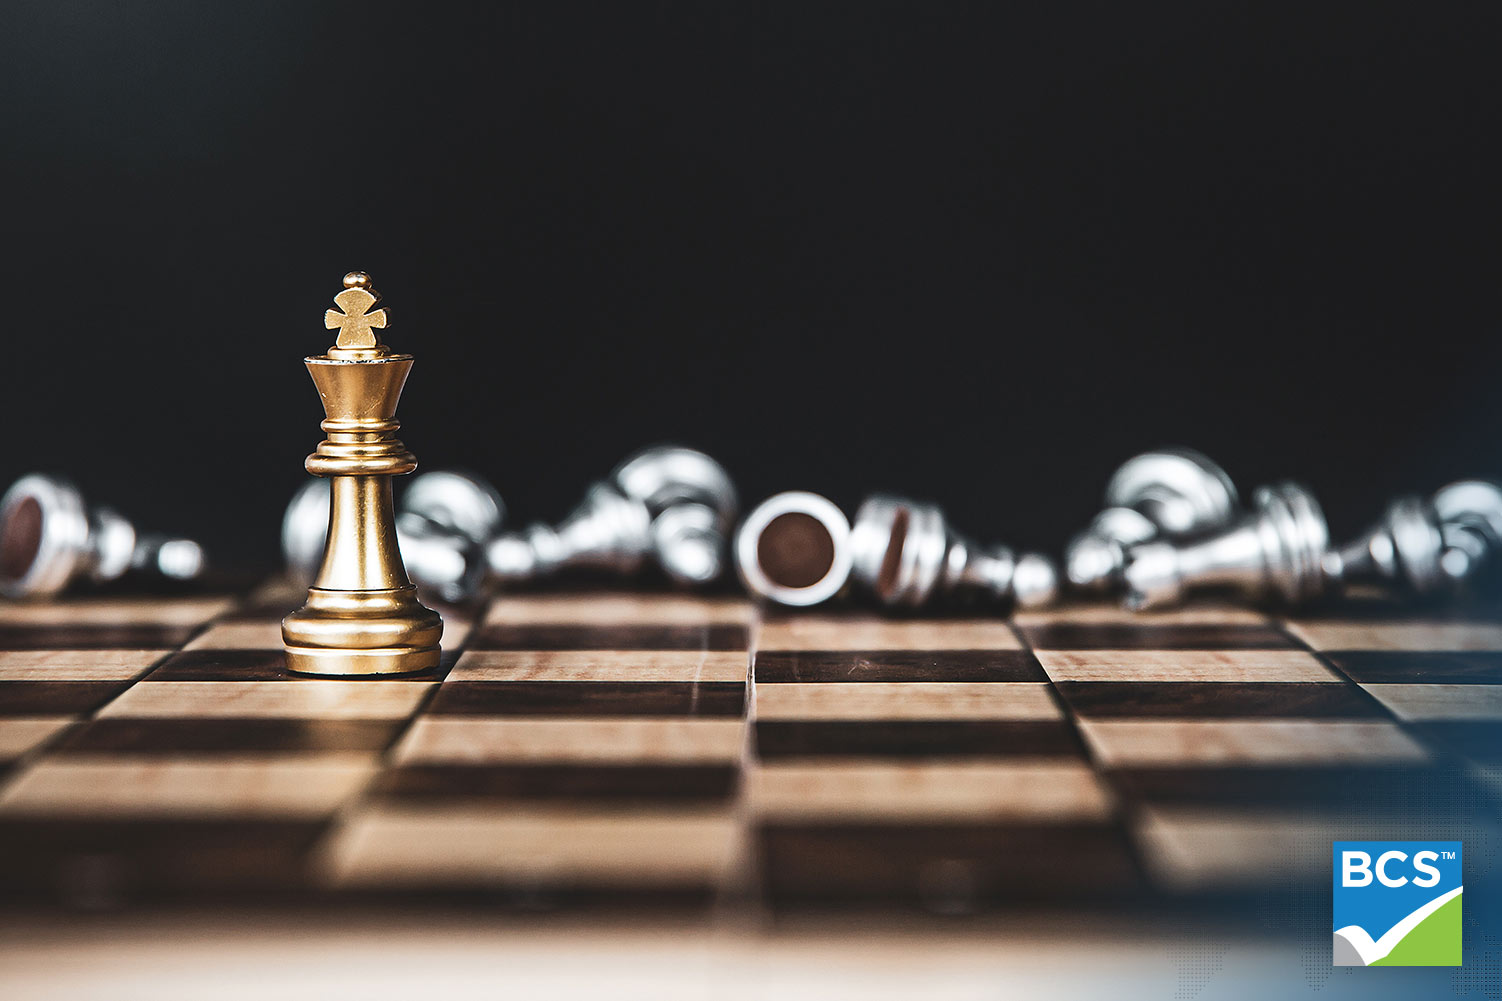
980 253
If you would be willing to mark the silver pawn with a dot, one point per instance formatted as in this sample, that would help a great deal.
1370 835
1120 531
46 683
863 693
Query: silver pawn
669 504
1170 493
442 524
1277 548
1426 547
905 553
794 549
50 538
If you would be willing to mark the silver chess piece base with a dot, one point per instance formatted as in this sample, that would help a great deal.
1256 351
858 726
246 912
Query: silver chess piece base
794 549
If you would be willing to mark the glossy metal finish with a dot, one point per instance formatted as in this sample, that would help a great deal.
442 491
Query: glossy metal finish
1404 549
453 502
673 506
49 538
1470 517
1276 549
444 520
607 531
1169 493
362 615
794 549
905 553
693 505
665 476
689 540
1427 547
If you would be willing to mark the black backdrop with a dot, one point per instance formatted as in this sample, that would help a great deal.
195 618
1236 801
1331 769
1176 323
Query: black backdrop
976 252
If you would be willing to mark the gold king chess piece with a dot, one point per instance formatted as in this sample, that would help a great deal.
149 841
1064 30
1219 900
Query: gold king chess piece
362 614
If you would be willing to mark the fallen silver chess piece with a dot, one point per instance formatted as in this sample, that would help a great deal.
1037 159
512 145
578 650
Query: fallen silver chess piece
1170 494
1426 547
670 505
50 539
1281 548
906 553
1276 549
798 549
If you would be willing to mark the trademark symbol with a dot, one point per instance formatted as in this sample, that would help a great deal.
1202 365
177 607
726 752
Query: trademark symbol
1448 855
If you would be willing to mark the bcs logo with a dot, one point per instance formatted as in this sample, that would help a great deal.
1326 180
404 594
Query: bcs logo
1397 903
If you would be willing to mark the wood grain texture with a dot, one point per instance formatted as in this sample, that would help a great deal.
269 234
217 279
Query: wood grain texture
638 740
823 632
1119 742
601 665
303 699
611 747
121 786
903 792
1360 634
1243 666
912 700
488 846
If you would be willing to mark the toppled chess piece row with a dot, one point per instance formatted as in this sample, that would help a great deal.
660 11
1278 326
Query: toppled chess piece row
1173 523
673 508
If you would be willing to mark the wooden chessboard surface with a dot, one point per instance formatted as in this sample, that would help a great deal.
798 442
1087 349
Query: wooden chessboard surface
666 748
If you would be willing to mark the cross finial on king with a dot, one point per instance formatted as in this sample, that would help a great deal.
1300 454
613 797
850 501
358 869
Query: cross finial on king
357 323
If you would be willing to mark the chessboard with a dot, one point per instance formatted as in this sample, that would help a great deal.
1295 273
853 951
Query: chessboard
637 748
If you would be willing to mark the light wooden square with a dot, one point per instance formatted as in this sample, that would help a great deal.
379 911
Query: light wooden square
76 665
907 700
114 612
479 846
20 734
817 632
239 636
123 786
310 699
907 792
1250 742
1246 666
634 740
1335 634
617 610
601 665
1441 702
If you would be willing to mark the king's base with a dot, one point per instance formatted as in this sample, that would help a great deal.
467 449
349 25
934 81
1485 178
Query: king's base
346 663
362 633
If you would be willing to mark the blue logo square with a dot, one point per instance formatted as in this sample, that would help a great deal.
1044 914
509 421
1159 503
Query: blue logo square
1397 903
